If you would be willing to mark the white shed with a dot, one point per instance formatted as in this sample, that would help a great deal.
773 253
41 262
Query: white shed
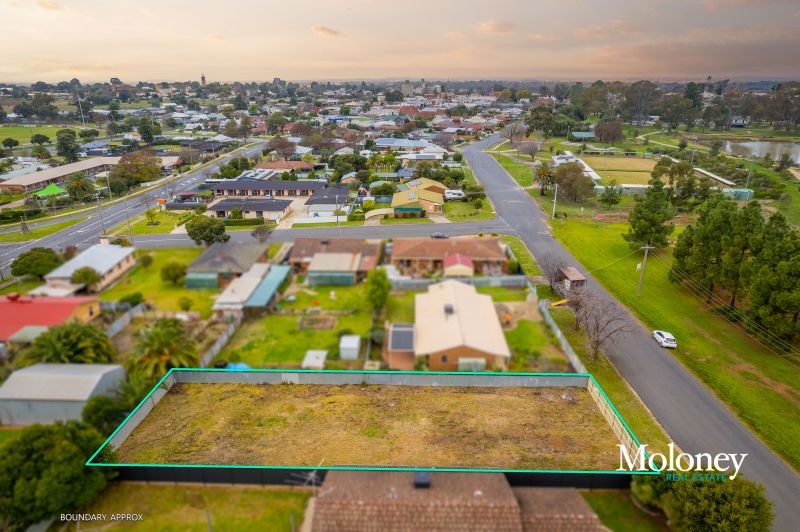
349 347
45 393
314 359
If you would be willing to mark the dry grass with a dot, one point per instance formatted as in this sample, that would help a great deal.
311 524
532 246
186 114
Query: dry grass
630 164
309 425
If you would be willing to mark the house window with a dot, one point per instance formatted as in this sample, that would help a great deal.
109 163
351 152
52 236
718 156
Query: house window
444 359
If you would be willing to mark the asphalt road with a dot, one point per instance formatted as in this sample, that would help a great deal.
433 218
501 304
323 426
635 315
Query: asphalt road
695 419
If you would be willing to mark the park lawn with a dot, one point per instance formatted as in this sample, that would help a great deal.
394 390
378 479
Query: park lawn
462 211
630 407
524 257
760 387
276 340
404 221
21 286
522 173
324 224
164 295
39 232
617 512
631 164
164 222
183 507
23 134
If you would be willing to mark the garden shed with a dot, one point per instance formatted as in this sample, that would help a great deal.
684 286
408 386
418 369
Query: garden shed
349 347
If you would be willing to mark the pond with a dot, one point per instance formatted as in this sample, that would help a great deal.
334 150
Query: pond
761 148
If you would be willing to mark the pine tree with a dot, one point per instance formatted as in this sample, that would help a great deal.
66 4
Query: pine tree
649 218
741 246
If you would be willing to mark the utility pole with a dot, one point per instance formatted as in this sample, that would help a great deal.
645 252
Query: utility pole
641 271
102 218
555 198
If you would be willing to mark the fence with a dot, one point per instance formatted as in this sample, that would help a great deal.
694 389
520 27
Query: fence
209 355
123 321
544 306
612 417
497 281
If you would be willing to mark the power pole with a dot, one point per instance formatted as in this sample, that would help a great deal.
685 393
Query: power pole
641 271
555 198
102 218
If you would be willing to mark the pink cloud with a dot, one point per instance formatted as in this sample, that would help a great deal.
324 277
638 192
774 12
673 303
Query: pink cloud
326 31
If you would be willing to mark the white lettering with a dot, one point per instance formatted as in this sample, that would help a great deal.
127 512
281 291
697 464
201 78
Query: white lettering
683 462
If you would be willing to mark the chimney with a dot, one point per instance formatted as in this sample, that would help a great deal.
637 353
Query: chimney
422 479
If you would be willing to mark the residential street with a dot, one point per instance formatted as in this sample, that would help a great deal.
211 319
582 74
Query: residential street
693 417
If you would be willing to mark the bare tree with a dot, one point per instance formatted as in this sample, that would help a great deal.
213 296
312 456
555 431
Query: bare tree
282 146
530 148
580 301
605 323
512 131
551 266
262 232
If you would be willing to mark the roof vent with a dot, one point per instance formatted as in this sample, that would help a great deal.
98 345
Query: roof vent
422 479
449 309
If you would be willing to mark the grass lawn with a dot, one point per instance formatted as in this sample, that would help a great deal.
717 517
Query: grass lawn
522 173
628 164
502 294
625 178
164 222
183 507
324 224
760 387
276 340
469 177
23 134
617 512
629 405
524 257
403 221
380 425
400 308
38 232
7 435
533 348
21 286
165 296
462 211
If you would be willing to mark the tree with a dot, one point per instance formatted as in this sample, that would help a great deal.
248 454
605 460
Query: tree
9 143
378 287
649 218
173 272
281 146
739 248
543 177
551 267
612 194
676 110
86 275
262 232
206 230
103 413
572 182
609 131
38 138
146 261
67 145
71 343
40 152
88 134
37 262
165 345
146 130
185 303
604 321
137 167
78 186
150 215
711 505
512 131
43 473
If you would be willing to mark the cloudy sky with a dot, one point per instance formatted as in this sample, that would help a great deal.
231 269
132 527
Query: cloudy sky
93 40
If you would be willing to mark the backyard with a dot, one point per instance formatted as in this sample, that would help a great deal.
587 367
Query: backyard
380 425
198 508
619 513
463 211
164 295
759 386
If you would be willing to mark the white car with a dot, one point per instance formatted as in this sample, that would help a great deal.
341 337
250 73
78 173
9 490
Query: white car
665 339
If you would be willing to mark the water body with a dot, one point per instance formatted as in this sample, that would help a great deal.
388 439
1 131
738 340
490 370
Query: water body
762 147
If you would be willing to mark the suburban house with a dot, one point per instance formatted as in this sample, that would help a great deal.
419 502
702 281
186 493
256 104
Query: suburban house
339 268
223 262
26 317
246 187
46 393
393 501
327 201
423 183
417 256
457 328
304 250
233 298
415 202
109 260
286 166
267 208
458 265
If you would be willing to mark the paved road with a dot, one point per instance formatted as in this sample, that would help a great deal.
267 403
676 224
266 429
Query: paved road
694 418
87 232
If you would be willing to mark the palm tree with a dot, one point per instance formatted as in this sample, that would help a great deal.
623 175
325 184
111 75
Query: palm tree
543 177
163 346
78 186
72 342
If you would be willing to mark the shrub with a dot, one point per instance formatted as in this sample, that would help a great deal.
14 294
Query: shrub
244 222
132 299
173 272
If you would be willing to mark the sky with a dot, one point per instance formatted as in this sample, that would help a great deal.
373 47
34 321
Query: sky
251 40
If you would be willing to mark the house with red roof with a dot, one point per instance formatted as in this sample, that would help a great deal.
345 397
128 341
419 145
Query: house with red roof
458 265
25 317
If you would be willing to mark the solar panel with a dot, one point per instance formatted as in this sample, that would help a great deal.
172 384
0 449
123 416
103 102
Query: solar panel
401 338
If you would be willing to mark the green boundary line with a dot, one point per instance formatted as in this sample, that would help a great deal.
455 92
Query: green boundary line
90 462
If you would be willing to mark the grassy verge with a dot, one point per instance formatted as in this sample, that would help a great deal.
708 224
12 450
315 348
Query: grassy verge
39 232
462 211
405 221
164 295
520 172
618 513
164 222
760 387
325 224
526 261
181 507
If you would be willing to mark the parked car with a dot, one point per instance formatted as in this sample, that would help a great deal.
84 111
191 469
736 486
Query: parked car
453 194
665 339
439 235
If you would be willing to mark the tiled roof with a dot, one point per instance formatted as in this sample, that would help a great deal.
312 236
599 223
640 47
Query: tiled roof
430 248
306 248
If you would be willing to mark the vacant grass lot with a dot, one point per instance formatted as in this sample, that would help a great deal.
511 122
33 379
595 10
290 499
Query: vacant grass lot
533 348
760 387
183 507
617 512
627 164
164 222
277 340
522 173
164 295
509 428
23 134
526 261
463 211
38 232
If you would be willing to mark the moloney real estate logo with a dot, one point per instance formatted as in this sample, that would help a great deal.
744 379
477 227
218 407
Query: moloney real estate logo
702 466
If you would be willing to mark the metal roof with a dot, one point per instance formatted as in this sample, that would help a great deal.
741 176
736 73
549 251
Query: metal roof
401 337
57 382
265 291
100 257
